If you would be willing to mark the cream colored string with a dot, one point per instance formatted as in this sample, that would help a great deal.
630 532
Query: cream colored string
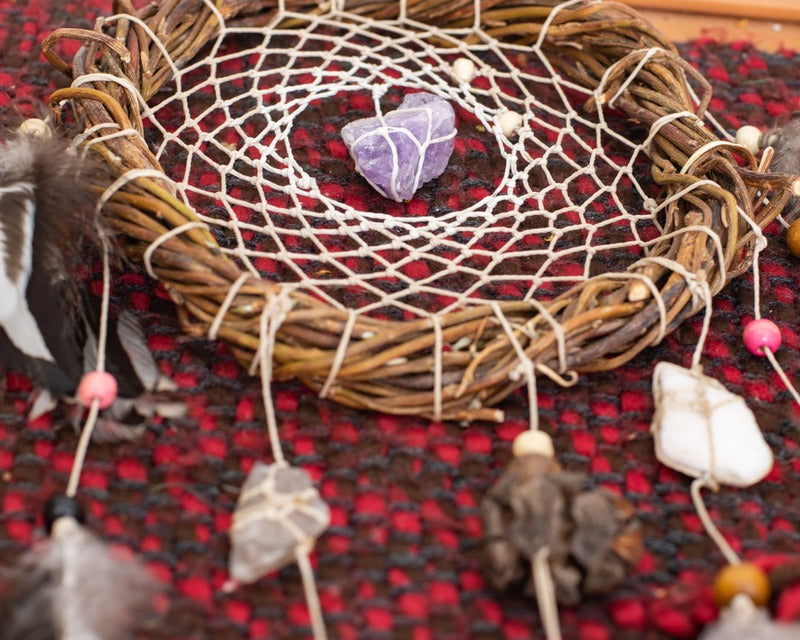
760 245
705 518
545 593
311 594
708 480
275 312
94 409
782 374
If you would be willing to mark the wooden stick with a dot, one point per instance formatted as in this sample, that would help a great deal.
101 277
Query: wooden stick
775 10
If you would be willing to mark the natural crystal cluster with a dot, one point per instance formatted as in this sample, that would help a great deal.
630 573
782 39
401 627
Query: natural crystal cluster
399 152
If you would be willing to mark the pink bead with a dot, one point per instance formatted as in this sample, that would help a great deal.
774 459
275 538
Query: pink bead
97 385
761 333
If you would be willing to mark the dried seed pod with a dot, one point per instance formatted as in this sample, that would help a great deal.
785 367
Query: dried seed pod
592 536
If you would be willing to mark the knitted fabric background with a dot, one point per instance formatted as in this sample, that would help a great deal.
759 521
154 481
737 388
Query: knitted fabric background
403 556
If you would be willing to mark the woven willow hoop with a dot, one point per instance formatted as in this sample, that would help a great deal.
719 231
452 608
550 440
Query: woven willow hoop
399 367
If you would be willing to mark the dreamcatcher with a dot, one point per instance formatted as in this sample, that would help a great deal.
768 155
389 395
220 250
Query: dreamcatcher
443 303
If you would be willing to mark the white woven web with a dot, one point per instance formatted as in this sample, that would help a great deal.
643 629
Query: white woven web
250 134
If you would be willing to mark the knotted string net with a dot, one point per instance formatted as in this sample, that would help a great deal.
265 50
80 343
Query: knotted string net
514 217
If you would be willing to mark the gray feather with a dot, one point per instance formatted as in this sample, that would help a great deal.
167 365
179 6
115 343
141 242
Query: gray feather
135 345
74 589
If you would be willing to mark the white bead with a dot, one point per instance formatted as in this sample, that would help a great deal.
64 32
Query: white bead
463 70
509 122
35 127
700 428
749 136
533 442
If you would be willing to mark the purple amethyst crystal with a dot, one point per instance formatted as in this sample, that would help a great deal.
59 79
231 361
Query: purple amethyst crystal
399 152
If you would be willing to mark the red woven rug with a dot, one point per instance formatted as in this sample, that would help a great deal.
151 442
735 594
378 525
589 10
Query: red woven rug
403 556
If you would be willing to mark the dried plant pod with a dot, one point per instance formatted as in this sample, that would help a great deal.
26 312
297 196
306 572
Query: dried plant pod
278 512
592 536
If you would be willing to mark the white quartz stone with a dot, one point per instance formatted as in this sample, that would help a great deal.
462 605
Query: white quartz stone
701 428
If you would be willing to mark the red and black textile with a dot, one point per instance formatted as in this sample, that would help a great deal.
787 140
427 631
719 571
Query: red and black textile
403 556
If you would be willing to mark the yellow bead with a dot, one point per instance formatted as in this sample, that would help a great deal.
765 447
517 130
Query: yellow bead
793 238
744 578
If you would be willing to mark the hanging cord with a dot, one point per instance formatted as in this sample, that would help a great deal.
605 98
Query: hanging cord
546 593
782 374
540 565
94 409
705 518
760 245
275 312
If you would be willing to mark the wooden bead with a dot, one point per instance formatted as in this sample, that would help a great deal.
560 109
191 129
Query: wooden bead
61 506
533 442
510 122
743 578
36 127
793 238
750 137
464 70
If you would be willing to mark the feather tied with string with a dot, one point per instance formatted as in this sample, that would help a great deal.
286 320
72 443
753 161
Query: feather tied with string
74 588
47 321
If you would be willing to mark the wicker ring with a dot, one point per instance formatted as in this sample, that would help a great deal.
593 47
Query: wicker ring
393 366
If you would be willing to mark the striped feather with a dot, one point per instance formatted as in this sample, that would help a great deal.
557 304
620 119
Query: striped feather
43 218
48 324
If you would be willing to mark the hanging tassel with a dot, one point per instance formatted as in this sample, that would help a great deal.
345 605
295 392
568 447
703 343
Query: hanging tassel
46 321
74 587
